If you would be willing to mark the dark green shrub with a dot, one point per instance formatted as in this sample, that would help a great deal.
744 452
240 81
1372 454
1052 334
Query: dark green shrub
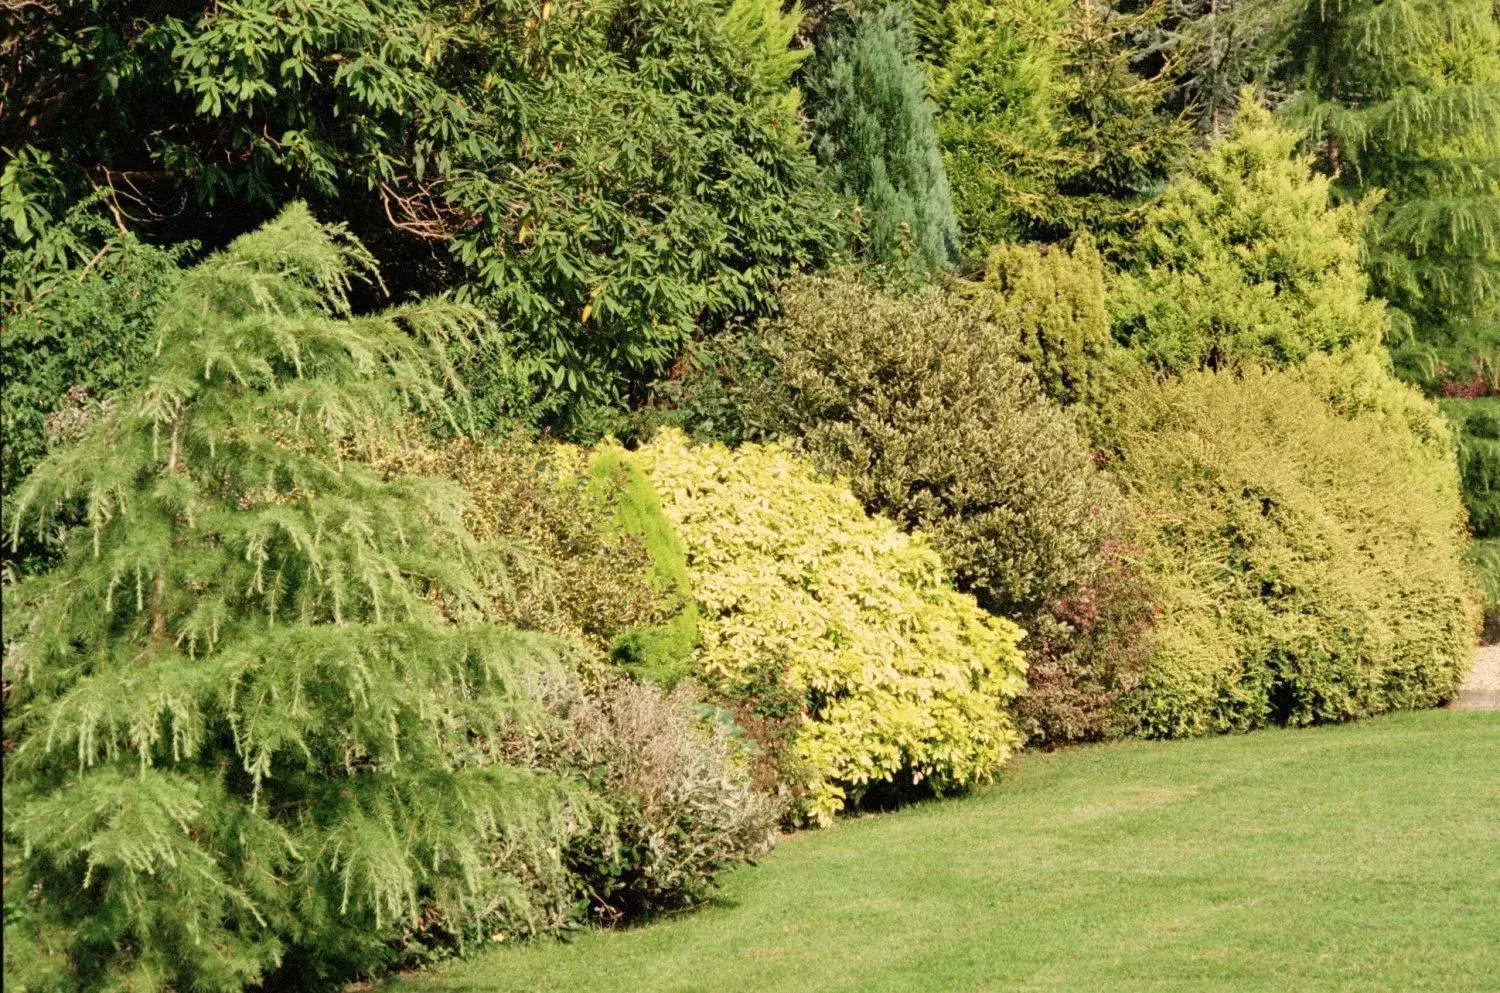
1477 424
920 403
1306 555
1485 555
1246 259
241 731
873 131
78 308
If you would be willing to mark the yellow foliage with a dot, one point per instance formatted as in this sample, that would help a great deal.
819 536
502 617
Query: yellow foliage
898 674
1304 532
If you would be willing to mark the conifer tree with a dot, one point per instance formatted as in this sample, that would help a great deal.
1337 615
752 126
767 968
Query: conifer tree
873 131
1397 95
242 726
1245 258
1404 96
1049 120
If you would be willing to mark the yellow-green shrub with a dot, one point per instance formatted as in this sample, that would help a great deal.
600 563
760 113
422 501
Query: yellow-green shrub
1303 533
1050 302
575 570
897 674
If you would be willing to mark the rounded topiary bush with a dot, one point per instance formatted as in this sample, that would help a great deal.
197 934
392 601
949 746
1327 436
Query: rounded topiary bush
1303 533
805 598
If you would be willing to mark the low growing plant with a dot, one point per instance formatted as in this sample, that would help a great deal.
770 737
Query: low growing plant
685 802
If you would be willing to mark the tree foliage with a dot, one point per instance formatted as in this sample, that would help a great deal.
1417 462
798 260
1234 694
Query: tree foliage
604 179
1477 424
1246 259
242 731
873 132
77 323
1397 95
1051 121
1405 96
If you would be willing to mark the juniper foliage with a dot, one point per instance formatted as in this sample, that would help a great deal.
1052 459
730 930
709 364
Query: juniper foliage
874 132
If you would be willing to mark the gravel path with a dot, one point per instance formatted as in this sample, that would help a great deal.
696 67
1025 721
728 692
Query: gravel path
1482 691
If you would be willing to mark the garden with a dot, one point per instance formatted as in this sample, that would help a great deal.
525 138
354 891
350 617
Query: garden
712 494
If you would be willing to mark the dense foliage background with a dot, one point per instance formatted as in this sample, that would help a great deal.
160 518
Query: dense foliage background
476 470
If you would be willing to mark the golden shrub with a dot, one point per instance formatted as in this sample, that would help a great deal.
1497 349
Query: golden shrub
898 675
1304 533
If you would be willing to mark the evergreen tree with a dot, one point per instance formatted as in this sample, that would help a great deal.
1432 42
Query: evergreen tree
1050 120
873 130
1404 96
606 180
1397 95
240 725
1246 259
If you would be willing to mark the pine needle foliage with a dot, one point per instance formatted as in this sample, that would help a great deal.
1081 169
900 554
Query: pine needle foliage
1404 95
873 131
243 733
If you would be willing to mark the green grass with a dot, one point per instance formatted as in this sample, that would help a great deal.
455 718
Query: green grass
1355 858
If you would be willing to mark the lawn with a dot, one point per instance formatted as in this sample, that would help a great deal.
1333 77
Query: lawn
1355 858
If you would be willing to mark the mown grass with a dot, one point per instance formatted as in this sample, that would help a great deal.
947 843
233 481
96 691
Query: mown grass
1357 858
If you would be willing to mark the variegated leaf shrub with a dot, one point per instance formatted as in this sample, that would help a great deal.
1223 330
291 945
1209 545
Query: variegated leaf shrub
897 675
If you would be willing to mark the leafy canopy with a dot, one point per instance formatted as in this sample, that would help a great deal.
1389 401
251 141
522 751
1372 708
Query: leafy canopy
602 178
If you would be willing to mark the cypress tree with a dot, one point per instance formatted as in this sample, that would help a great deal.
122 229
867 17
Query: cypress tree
874 133
241 722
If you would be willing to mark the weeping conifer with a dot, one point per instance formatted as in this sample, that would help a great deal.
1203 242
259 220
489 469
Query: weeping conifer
243 727
873 131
